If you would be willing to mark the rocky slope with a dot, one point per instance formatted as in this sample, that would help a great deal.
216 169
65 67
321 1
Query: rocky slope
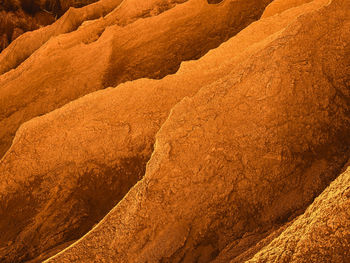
19 16
107 52
213 163
246 152
321 234
21 187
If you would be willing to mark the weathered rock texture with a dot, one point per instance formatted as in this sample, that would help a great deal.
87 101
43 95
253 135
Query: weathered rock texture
278 6
15 54
14 21
321 234
19 16
98 145
245 138
249 151
98 55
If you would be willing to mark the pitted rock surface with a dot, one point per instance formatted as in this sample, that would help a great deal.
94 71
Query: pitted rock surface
219 162
248 151
97 145
103 53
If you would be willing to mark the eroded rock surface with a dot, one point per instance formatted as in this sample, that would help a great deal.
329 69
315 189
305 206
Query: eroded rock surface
278 6
93 150
248 151
321 234
245 139
97 55
19 16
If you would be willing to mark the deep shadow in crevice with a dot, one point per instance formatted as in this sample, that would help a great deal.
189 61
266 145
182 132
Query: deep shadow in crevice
68 213
214 1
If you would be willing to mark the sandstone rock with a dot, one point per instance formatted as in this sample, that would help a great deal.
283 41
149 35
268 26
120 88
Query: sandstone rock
249 244
247 152
321 234
259 129
97 56
57 7
278 6
72 19
11 21
16 33
90 152
4 41
17 17
15 54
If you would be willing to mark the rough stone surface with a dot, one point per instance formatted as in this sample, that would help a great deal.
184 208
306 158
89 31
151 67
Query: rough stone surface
321 234
278 6
19 16
248 151
216 163
98 55
91 149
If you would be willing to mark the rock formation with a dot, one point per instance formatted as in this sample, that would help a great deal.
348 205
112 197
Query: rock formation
133 152
219 162
321 234
98 55
278 6
19 16
14 22
248 151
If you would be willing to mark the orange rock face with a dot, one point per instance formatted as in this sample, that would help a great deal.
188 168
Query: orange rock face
19 16
115 150
99 54
134 151
243 154
321 234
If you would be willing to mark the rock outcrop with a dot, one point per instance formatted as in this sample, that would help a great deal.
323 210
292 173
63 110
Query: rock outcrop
278 6
98 55
121 146
244 153
321 234
14 22
19 16
219 162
